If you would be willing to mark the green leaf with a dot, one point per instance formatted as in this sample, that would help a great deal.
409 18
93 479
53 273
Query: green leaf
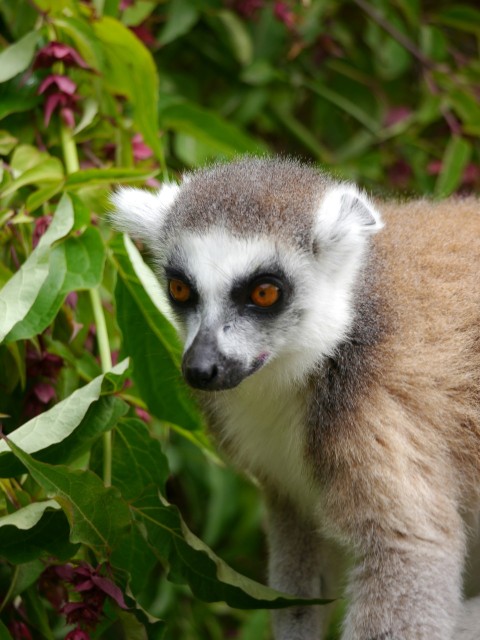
18 295
137 13
16 97
75 264
462 17
152 343
130 71
192 561
239 36
137 459
35 530
209 128
84 39
455 159
97 515
42 195
4 634
181 16
344 104
7 142
17 57
57 424
92 177
49 170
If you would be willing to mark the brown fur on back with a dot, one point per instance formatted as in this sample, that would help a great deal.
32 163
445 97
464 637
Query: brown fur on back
400 403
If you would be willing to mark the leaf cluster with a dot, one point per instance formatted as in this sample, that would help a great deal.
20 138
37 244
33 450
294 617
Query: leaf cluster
105 469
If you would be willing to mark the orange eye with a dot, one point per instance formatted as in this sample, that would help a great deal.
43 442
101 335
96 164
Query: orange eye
265 295
179 290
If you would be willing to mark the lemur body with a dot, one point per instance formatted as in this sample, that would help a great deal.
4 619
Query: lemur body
353 397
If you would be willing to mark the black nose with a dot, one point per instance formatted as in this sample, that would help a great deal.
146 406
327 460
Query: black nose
200 376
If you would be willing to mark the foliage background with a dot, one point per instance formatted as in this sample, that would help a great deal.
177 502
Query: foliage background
136 91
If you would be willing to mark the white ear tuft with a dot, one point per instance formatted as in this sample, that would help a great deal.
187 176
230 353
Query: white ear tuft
346 212
141 213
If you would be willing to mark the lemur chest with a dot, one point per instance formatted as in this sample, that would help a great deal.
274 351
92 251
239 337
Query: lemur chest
263 430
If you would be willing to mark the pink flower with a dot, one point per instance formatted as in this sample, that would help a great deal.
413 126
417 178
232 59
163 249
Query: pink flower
395 115
41 225
19 630
60 94
54 51
143 415
77 634
248 8
139 149
284 13
44 392
144 34
63 84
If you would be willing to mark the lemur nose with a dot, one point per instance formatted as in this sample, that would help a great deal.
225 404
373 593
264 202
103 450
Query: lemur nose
201 376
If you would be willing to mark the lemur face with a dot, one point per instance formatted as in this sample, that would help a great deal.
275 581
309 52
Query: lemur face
258 258
239 303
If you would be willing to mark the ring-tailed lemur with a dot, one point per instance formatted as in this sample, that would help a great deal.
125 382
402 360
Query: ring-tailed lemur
341 368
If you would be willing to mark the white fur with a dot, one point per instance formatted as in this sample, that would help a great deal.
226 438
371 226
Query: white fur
263 417
217 258
141 213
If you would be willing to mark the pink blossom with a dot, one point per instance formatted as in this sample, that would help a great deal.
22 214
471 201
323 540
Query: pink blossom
77 634
248 8
139 149
54 51
44 392
143 415
19 630
283 13
153 182
144 34
395 115
64 84
41 225
72 299
60 94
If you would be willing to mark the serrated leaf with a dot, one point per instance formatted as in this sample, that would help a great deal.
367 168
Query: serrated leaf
454 161
97 515
57 424
36 529
16 58
74 264
152 343
18 295
192 561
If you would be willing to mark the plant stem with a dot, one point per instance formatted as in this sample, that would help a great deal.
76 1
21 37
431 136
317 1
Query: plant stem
70 156
11 588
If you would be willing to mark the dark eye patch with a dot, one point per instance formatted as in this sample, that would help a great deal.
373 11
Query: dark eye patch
173 274
242 290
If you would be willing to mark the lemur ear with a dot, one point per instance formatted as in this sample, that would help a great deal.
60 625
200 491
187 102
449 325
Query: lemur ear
141 213
345 212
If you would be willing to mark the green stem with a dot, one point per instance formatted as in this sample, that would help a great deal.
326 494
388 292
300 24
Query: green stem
69 149
70 156
11 588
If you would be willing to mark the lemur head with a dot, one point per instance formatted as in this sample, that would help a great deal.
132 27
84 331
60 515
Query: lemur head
259 260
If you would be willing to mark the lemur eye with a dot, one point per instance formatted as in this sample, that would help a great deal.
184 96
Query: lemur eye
179 290
265 294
